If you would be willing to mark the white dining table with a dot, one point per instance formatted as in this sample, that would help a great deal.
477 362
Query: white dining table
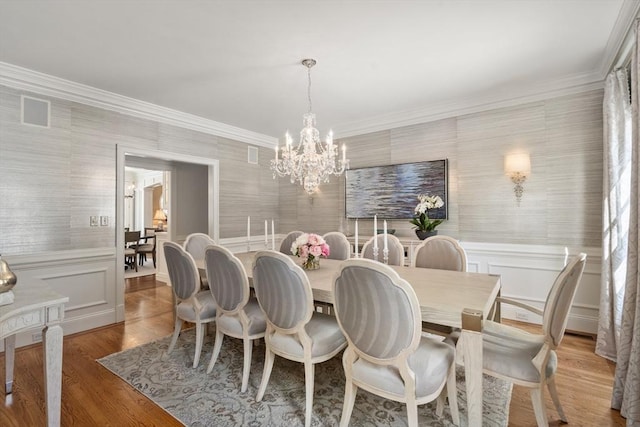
447 298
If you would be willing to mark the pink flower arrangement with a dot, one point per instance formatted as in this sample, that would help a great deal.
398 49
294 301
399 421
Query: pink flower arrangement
309 247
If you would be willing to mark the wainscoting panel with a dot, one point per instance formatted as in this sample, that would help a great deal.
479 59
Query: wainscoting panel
87 277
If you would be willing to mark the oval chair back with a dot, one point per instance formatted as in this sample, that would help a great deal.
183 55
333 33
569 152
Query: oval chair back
227 279
441 253
396 249
285 245
183 273
339 246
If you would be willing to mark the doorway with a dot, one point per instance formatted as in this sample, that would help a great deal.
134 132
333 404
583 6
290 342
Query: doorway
180 202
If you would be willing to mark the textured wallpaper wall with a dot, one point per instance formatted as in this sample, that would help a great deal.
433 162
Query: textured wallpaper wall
53 179
562 198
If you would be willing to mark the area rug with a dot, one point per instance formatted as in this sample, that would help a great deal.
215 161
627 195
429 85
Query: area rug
143 270
197 399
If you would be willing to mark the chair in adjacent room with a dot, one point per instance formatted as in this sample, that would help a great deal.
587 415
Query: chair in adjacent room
195 244
294 330
441 253
339 246
131 244
190 303
238 315
148 247
386 354
285 245
396 249
528 359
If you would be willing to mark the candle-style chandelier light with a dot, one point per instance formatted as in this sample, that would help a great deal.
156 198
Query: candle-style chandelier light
310 162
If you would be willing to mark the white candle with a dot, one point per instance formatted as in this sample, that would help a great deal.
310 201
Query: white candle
266 234
375 231
273 236
276 152
385 235
356 236
248 228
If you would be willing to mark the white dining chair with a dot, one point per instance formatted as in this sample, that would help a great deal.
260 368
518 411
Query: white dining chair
238 315
396 249
528 359
190 304
195 244
387 355
339 246
441 253
285 245
294 330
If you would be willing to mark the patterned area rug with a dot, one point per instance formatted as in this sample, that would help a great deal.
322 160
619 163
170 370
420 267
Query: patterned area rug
198 399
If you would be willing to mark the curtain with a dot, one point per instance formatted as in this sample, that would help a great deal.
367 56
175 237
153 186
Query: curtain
616 191
626 387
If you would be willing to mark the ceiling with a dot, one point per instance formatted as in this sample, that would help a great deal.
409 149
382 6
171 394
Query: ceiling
380 63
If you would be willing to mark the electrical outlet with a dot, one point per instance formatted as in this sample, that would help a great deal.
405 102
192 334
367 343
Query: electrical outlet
93 221
104 221
37 337
522 316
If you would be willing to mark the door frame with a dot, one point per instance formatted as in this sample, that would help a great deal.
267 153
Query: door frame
213 212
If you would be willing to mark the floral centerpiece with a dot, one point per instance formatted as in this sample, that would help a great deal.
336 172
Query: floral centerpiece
310 247
423 224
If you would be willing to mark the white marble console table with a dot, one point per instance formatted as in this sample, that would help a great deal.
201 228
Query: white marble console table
36 306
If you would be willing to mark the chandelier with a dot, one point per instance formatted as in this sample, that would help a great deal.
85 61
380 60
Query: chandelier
310 162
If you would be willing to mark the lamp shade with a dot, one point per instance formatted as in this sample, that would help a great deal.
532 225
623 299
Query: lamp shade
517 163
159 215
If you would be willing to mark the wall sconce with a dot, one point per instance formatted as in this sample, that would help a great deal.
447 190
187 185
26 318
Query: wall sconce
130 191
517 166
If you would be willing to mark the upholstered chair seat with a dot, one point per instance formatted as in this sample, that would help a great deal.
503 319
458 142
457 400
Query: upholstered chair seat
186 310
326 338
257 322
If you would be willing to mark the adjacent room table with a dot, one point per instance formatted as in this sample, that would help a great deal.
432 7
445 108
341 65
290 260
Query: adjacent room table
36 306
447 298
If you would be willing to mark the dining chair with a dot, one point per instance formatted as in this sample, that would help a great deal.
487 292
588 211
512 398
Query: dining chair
131 244
285 245
386 355
339 246
294 330
148 247
195 244
528 359
190 304
237 315
441 253
396 249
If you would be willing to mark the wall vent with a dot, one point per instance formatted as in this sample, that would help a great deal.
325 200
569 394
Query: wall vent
252 155
35 112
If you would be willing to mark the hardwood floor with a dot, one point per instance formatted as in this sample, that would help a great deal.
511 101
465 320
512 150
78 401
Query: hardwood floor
92 396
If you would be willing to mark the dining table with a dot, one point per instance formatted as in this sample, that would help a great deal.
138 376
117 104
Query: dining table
447 298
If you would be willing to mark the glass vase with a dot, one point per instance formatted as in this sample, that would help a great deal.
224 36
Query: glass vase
312 263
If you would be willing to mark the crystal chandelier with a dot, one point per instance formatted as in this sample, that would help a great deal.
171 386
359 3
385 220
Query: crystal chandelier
310 162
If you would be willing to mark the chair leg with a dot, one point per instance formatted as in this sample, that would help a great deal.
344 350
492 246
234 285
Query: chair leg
538 407
412 413
216 350
176 334
309 378
350 391
551 385
266 373
452 394
247 364
199 342
154 259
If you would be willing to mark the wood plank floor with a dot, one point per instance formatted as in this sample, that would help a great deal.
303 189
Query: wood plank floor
92 396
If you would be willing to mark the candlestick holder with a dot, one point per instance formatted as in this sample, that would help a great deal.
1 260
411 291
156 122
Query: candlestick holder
375 253
248 245
385 255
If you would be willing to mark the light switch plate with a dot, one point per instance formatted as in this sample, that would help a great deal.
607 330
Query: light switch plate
104 221
93 221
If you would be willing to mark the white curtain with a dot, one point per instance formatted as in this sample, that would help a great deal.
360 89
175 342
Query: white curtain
619 332
616 191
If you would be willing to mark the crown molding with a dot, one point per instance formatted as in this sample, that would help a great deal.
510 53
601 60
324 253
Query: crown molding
44 84
621 38
499 99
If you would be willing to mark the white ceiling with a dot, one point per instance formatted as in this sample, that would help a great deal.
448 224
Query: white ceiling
379 62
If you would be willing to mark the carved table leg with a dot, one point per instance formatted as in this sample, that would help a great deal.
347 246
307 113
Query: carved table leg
10 357
52 345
